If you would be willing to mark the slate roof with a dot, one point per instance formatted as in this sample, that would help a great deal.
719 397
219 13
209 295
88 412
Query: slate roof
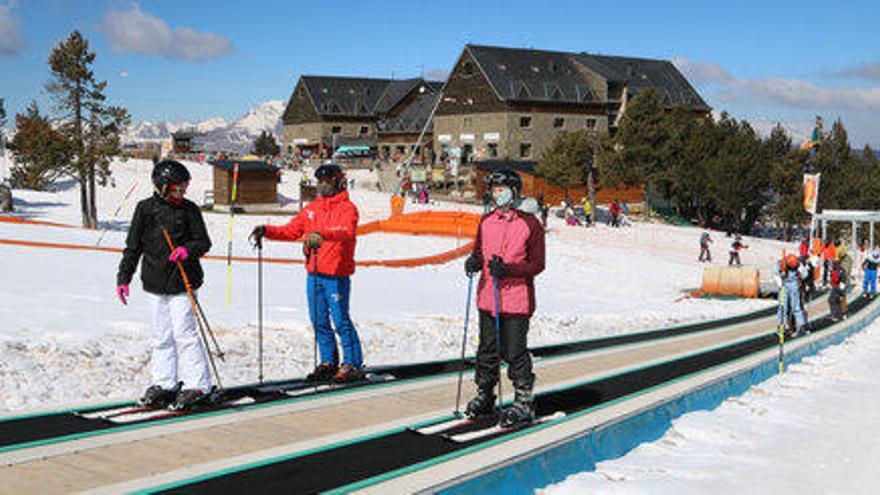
243 165
541 76
360 96
413 118
345 96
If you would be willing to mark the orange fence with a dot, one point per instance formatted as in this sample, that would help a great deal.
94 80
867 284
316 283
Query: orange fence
437 223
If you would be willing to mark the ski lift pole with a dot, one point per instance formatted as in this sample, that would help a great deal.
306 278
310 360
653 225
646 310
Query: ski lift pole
260 307
116 213
196 311
781 329
229 241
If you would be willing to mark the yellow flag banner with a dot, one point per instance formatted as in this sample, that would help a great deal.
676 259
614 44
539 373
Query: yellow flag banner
811 192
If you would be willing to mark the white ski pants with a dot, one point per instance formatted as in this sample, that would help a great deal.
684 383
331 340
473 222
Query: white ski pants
178 353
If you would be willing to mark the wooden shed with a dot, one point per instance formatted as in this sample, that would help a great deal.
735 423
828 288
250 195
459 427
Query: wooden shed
257 184
534 185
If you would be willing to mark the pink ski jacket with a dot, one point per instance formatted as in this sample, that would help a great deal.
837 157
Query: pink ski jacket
518 238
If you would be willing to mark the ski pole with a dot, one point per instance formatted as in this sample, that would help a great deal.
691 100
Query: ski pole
220 354
260 306
195 306
229 241
781 331
116 213
312 254
467 311
498 337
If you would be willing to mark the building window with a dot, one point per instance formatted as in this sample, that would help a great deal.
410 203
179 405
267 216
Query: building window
468 68
492 150
591 124
525 122
558 122
336 129
525 150
364 130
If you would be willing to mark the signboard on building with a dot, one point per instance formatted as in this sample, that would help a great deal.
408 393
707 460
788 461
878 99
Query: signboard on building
418 174
444 138
491 136
466 137
300 141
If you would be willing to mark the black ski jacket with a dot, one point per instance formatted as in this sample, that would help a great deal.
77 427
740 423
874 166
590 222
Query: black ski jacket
186 227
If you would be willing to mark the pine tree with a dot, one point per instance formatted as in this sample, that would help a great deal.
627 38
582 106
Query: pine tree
786 178
39 151
570 159
92 127
639 141
265 145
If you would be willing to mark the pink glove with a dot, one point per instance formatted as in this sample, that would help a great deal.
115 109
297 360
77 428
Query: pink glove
122 293
179 255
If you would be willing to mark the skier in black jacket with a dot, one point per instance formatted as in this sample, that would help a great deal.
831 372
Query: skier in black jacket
179 366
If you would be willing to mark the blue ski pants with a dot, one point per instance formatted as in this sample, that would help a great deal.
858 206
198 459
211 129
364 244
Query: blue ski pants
870 282
329 299
791 304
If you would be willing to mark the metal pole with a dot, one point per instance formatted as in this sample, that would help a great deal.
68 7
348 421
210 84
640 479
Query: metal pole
260 307
467 312
871 236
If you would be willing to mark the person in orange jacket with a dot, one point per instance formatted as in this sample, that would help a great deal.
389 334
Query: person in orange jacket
829 256
329 224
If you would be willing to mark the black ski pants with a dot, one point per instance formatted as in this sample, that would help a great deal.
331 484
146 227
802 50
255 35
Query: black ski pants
514 351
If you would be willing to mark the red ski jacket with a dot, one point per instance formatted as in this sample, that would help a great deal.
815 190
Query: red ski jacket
336 219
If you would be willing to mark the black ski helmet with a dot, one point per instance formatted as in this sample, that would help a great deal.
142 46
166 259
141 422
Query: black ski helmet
331 171
169 172
505 177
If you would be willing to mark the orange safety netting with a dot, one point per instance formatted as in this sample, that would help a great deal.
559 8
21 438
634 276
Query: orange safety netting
438 223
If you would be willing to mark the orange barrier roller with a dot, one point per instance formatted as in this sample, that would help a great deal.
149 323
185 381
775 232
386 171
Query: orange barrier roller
729 281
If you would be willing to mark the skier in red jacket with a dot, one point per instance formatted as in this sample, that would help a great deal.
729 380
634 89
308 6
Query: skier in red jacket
329 224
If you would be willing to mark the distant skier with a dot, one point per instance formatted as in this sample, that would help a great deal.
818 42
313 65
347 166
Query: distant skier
705 253
614 209
869 284
829 256
846 266
588 212
735 247
179 367
509 251
789 275
329 224
837 278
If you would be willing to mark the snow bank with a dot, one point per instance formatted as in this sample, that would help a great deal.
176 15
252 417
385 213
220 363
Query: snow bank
815 429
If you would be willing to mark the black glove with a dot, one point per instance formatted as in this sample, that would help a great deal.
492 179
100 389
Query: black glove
257 234
497 267
472 265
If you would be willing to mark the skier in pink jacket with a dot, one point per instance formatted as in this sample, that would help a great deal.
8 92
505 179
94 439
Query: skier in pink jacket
509 249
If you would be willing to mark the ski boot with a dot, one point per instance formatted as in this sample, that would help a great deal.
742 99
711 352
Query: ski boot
481 405
188 398
521 412
348 373
324 372
157 397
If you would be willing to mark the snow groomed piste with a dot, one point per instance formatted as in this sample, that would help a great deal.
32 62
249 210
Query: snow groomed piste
583 380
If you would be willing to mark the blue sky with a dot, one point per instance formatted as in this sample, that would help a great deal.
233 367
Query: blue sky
766 61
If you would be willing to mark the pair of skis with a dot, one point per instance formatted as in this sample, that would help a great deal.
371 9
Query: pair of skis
459 430
137 413
308 388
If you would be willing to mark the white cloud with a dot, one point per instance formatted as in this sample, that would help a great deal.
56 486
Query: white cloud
793 93
868 71
702 73
11 42
136 31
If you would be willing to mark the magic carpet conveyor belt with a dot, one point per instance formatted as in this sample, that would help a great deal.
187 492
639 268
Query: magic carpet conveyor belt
337 466
18 432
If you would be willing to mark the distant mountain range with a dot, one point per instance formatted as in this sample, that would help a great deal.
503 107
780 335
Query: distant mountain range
216 133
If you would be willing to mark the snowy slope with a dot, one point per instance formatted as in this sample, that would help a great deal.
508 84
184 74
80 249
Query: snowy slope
815 429
65 338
